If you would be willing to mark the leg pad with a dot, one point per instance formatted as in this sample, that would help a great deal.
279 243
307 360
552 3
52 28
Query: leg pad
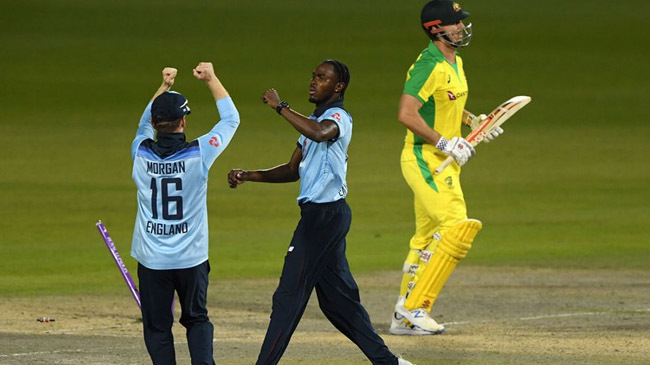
453 247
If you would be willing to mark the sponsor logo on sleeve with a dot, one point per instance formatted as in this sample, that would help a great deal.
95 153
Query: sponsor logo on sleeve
214 141
336 116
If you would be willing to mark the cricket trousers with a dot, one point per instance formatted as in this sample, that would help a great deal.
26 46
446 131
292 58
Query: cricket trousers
316 258
156 295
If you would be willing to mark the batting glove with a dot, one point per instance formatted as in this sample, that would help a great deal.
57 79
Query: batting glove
458 148
493 134
487 137
475 121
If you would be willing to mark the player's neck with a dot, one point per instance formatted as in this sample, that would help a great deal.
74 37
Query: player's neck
448 51
331 100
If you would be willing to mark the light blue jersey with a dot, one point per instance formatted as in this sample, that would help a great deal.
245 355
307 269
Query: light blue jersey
324 165
171 226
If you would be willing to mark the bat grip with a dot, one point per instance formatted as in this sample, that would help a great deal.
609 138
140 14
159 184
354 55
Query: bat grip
443 165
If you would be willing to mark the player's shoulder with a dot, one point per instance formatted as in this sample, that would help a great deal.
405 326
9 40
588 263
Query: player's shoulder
145 149
430 57
424 64
145 145
423 67
337 114
189 149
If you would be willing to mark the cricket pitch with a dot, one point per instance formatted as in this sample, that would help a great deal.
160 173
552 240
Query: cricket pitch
492 315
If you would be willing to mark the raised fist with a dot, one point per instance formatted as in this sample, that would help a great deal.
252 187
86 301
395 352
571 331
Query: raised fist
169 75
271 98
204 71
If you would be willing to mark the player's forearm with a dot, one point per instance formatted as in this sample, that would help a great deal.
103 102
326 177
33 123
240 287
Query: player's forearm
418 126
309 128
163 87
279 174
217 89
409 116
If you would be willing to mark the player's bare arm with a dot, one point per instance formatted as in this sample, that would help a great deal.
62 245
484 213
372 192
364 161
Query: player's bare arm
169 76
287 172
318 132
204 71
409 115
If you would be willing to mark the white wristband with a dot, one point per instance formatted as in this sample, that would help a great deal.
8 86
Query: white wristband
442 143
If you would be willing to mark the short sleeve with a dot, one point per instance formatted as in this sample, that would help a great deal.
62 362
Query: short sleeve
341 118
420 82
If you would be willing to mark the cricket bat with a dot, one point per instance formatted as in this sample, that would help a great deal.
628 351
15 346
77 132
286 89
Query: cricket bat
497 117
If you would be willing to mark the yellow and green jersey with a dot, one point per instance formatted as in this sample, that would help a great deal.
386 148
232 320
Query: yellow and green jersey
442 89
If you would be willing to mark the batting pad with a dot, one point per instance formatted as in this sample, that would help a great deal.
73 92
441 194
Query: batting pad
453 247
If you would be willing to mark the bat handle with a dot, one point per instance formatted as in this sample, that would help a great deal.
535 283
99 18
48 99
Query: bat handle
442 166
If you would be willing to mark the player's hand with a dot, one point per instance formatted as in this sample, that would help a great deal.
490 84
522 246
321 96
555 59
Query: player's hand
271 98
237 177
477 120
204 71
458 148
485 137
489 137
169 76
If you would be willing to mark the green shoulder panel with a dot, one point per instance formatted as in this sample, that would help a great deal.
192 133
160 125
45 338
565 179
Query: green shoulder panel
418 74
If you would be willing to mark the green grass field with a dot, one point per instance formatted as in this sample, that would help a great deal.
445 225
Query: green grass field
568 185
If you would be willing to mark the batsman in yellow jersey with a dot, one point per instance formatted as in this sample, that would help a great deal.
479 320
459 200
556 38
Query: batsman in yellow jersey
432 108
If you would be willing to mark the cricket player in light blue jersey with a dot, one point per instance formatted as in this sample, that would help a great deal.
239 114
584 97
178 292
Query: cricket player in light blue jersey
170 238
316 255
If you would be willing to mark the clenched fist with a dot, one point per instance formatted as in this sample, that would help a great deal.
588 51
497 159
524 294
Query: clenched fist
169 75
271 98
204 71
237 177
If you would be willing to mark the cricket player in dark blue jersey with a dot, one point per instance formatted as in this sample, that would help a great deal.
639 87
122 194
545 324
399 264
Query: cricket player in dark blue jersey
316 255
170 238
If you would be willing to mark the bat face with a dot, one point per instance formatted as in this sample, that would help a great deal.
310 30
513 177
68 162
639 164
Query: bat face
497 117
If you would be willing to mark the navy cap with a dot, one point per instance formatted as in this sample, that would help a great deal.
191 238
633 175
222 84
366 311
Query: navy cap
168 107
441 12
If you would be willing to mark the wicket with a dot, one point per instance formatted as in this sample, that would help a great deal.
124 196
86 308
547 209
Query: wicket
118 261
